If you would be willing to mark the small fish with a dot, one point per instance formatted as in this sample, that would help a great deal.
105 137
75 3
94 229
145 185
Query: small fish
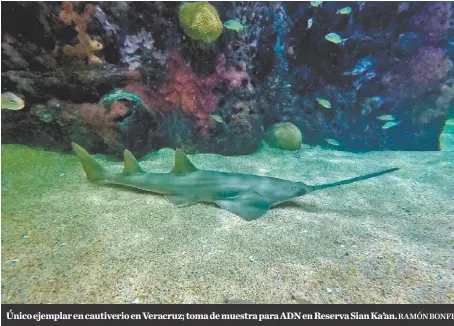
386 117
316 3
324 103
344 11
233 25
217 118
11 101
391 124
332 142
300 300
335 38
310 21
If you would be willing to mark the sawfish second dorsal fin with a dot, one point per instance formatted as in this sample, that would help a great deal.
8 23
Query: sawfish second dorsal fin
182 163
131 164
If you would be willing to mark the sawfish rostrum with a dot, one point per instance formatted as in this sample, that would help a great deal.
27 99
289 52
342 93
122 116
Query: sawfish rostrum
246 195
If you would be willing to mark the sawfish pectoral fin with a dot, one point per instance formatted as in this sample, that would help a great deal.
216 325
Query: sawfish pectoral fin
182 200
248 206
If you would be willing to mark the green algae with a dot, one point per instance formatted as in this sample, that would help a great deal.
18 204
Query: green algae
119 94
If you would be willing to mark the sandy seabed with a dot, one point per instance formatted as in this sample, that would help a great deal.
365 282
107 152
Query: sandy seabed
385 240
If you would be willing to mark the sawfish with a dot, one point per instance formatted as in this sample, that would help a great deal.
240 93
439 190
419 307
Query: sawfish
245 195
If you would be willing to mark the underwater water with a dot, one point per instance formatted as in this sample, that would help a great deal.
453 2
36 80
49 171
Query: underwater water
227 152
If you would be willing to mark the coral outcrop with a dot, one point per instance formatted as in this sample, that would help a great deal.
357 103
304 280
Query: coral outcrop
188 91
200 21
85 46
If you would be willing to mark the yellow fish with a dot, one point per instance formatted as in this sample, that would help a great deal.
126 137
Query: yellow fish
344 11
316 3
11 101
332 142
386 117
309 23
233 25
391 124
215 117
334 38
324 103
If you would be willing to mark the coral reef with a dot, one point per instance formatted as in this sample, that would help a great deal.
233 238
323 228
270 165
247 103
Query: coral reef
396 59
425 70
85 46
185 89
446 100
434 21
443 105
254 46
109 130
200 21
69 85
235 76
89 123
137 46
242 130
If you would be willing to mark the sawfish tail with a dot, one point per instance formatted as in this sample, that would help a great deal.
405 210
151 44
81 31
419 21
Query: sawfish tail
347 181
93 170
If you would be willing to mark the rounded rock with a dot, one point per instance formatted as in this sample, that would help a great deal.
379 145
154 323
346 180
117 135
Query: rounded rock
285 136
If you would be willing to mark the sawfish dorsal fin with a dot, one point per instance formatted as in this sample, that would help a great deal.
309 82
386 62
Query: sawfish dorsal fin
182 163
131 164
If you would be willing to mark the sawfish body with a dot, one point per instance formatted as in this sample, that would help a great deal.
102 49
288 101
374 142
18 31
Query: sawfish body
246 195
